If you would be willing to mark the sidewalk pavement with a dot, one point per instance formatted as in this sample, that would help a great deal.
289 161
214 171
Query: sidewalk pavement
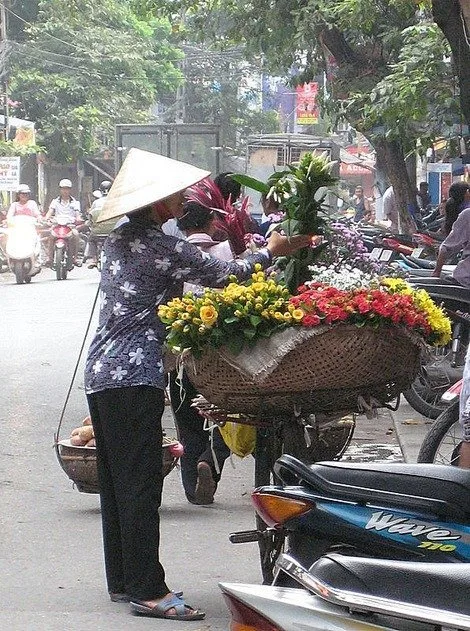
392 436
410 428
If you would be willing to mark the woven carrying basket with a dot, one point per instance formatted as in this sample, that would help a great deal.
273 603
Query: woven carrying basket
79 463
328 372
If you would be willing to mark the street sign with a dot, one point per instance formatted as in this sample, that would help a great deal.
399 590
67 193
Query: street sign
9 173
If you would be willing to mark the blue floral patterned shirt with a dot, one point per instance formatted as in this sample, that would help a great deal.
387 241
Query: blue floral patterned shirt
143 268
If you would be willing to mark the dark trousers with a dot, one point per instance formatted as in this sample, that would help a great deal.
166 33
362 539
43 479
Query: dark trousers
128 432
194 438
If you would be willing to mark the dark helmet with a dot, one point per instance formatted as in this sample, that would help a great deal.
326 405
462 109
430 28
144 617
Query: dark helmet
105 186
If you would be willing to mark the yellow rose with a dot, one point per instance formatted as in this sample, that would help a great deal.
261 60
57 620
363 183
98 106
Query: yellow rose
208 314
297 314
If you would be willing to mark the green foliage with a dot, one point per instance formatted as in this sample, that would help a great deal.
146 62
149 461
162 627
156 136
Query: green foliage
388 78
416 100
299 192
10 148
85 67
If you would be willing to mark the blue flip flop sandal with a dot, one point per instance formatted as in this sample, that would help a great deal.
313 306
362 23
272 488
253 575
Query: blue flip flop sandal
160 610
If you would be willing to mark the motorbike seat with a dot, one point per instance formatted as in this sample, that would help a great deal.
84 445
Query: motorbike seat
442 290
441 490
439 586
423 263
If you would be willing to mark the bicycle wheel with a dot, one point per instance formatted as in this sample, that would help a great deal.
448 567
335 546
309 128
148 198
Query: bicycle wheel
442 443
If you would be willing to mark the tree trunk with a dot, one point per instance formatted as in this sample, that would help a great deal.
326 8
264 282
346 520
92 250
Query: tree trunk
451 19
389 153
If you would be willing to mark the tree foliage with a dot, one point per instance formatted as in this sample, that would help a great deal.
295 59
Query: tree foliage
384 59
85 66
453 17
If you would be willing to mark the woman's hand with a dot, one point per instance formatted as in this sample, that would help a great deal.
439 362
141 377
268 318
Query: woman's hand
280 245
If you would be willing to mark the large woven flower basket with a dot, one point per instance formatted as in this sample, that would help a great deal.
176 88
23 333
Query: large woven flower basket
79 463
325 370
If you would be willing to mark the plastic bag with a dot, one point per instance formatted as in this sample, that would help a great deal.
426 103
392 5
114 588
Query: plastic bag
239 438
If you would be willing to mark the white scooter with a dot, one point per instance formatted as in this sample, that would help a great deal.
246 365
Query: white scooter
341 593
23 248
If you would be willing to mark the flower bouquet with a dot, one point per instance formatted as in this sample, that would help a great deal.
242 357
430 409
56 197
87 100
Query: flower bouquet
254 348
299 192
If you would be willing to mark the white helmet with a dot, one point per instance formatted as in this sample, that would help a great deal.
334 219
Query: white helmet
65 183
23 188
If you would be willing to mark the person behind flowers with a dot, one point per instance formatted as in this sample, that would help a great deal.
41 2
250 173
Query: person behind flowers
204 453
458 237
124 374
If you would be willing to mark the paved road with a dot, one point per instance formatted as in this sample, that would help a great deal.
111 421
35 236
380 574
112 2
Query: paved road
50 544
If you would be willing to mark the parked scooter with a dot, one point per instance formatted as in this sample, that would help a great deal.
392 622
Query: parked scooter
23 248
443 366
350 594
389 511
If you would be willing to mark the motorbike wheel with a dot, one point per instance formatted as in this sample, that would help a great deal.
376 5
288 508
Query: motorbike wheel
60 264
434 378
442 443
18 271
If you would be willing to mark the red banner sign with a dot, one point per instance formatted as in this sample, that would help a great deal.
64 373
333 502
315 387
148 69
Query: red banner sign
307 107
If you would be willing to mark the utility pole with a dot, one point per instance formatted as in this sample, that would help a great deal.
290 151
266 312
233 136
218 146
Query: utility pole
4 70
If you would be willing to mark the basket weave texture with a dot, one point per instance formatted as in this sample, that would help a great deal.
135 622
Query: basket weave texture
79 463
325 373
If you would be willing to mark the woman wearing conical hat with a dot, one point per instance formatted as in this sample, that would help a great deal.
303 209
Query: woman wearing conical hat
124 376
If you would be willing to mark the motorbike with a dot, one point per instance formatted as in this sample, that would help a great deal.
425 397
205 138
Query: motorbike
61 232
397 511
443 366
23 248
352 594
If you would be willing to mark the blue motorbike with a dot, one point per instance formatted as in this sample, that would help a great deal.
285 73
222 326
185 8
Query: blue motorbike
407 512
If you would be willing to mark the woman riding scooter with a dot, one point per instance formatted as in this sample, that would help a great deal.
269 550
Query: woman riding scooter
23 205
22 246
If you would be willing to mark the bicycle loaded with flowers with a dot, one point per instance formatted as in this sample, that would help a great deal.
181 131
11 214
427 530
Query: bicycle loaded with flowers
345 338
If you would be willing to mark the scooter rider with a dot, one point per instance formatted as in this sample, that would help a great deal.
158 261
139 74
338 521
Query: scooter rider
98 230
65 206
23 205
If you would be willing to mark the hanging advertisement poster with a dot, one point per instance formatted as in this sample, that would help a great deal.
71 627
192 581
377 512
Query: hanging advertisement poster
9 174
306 106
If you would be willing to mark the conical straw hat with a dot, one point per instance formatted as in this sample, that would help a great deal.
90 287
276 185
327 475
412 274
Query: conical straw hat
145 178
